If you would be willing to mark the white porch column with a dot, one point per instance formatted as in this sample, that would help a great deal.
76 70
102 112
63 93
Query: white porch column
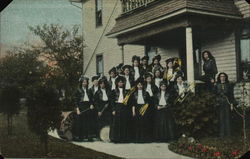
190 58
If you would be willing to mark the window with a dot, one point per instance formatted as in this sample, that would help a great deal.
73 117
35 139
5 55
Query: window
98 12
150 52
245 54
99 64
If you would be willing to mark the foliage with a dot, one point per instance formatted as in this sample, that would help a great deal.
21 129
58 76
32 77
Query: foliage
22 68
44 112
63 50
196 115
209 148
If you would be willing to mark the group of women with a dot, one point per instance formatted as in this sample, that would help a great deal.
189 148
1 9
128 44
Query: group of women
137 100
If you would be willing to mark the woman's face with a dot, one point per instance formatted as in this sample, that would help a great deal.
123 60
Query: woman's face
112 74
163 87
102 85
206 55
84 83
156 61
222 78
170 64
149 79
179 80
126 71
120 84
95 82
139 86
157 74
136 63
144 62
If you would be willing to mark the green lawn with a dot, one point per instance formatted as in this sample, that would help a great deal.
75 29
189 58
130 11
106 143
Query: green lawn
25 144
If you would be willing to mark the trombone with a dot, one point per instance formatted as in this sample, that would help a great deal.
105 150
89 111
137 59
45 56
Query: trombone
185 93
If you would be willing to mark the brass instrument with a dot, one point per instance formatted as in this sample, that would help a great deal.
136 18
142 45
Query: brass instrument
176 67
131 91
185 94
143 109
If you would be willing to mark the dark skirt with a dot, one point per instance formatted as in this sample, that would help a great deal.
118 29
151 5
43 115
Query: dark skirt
121 124
143 125
163 125
105 118
224 118
85 124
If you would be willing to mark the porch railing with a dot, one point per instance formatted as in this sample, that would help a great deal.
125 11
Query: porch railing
129 5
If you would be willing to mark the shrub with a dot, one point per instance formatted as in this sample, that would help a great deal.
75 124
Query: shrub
196 116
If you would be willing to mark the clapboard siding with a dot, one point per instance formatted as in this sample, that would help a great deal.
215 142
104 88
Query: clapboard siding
243 7
223 49
238 92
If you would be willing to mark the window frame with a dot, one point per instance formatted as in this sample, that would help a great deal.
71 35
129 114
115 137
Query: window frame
147 48
97 68
240 38
98 20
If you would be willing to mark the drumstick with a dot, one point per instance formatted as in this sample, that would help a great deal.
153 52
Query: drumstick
106 105
84 110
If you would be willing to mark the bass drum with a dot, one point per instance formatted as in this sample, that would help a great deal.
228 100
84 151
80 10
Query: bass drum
104 134
65 131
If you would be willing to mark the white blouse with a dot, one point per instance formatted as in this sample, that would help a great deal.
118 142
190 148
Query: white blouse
149 90
137 74
85 98
181 88
162 99
104 95
157 82
95 89
140 99
127 86
113 83
120 99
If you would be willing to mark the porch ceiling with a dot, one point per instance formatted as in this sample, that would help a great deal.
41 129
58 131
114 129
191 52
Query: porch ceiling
165 15
172 29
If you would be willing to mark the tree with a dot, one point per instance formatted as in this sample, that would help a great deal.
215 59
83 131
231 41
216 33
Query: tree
242 108
64 49
44 113
9 101
19 70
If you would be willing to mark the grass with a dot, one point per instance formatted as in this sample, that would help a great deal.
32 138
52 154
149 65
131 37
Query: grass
24 144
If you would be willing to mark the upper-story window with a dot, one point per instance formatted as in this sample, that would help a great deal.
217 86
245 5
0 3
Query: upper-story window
98 12
245 54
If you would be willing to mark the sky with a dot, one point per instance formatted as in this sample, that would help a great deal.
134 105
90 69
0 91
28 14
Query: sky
19 14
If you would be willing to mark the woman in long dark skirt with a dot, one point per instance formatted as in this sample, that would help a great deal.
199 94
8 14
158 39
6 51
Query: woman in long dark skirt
85 126
164 121
225 100
121 113
141 113
102 103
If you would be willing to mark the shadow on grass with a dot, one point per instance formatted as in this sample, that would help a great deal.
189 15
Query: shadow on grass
25 144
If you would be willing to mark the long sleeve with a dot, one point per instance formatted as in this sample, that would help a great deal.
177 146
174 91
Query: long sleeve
77 98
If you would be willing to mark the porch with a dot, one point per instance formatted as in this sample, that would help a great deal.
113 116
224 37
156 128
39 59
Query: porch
182 25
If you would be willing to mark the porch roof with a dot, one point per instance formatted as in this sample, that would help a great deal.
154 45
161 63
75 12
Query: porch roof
166 9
